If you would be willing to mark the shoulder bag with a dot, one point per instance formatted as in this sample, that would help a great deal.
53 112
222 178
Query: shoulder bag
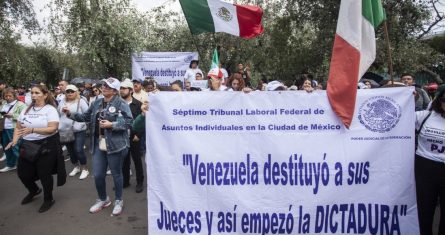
67 136
420 129
30 150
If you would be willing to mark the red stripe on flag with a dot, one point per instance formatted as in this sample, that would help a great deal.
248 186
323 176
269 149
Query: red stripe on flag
343 79
249 20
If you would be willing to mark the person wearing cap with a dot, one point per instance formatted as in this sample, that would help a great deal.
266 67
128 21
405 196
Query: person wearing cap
110 118
135 150
215 80
429 167
275 86
190 74
75 104
138 92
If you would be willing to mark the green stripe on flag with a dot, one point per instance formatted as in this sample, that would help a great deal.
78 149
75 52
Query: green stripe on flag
215 59
198 16
373 11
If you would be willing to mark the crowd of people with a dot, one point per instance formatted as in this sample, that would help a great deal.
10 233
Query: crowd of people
42 121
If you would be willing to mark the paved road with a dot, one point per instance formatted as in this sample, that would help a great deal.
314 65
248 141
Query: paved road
69 215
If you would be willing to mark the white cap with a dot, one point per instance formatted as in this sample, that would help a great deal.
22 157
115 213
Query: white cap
293 88
361 85
273 85
127 83
113 83
136 80
71 87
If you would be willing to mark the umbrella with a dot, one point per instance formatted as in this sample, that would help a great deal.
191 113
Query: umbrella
83 80
374 84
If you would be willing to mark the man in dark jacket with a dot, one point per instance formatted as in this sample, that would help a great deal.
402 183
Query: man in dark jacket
126 90
421 97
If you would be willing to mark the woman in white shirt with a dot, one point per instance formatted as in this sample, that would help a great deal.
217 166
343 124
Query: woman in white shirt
75 104
10 111
191 72
430 163
38 125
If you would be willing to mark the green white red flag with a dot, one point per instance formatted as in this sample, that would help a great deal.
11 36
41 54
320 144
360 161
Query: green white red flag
218 16
353 53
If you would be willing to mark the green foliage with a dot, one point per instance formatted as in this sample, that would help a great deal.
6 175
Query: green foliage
438 43
96 38
16 13
103 33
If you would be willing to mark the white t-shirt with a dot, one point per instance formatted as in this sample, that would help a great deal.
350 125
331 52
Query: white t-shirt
190 74
66 123
432 136
8 108
60 97
28 98
38 118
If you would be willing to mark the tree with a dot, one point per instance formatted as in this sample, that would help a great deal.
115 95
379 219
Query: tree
102 33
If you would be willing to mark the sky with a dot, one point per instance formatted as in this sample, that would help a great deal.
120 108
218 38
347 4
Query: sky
43 13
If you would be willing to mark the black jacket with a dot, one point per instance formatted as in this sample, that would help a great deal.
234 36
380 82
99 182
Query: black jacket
135 107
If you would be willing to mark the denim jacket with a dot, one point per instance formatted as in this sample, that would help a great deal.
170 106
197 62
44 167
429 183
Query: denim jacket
117 137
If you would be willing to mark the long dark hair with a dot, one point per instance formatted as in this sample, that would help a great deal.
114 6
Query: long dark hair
49 98
436 105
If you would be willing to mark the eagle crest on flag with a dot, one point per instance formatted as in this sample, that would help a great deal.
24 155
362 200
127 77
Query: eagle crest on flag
224 14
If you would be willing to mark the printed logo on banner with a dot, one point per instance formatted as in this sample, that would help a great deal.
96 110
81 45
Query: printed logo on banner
188 59
379 114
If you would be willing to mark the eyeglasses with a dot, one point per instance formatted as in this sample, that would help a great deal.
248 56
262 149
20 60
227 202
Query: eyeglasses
70 91
104 86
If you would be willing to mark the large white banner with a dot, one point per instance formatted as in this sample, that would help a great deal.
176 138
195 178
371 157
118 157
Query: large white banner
280 163
165 67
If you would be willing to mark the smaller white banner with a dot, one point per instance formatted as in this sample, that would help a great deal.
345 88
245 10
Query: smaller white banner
199 84
164 67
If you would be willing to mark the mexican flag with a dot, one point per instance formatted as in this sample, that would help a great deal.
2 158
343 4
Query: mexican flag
353 53
217 16
215 59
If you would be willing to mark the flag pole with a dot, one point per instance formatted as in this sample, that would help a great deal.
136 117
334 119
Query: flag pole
388 45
